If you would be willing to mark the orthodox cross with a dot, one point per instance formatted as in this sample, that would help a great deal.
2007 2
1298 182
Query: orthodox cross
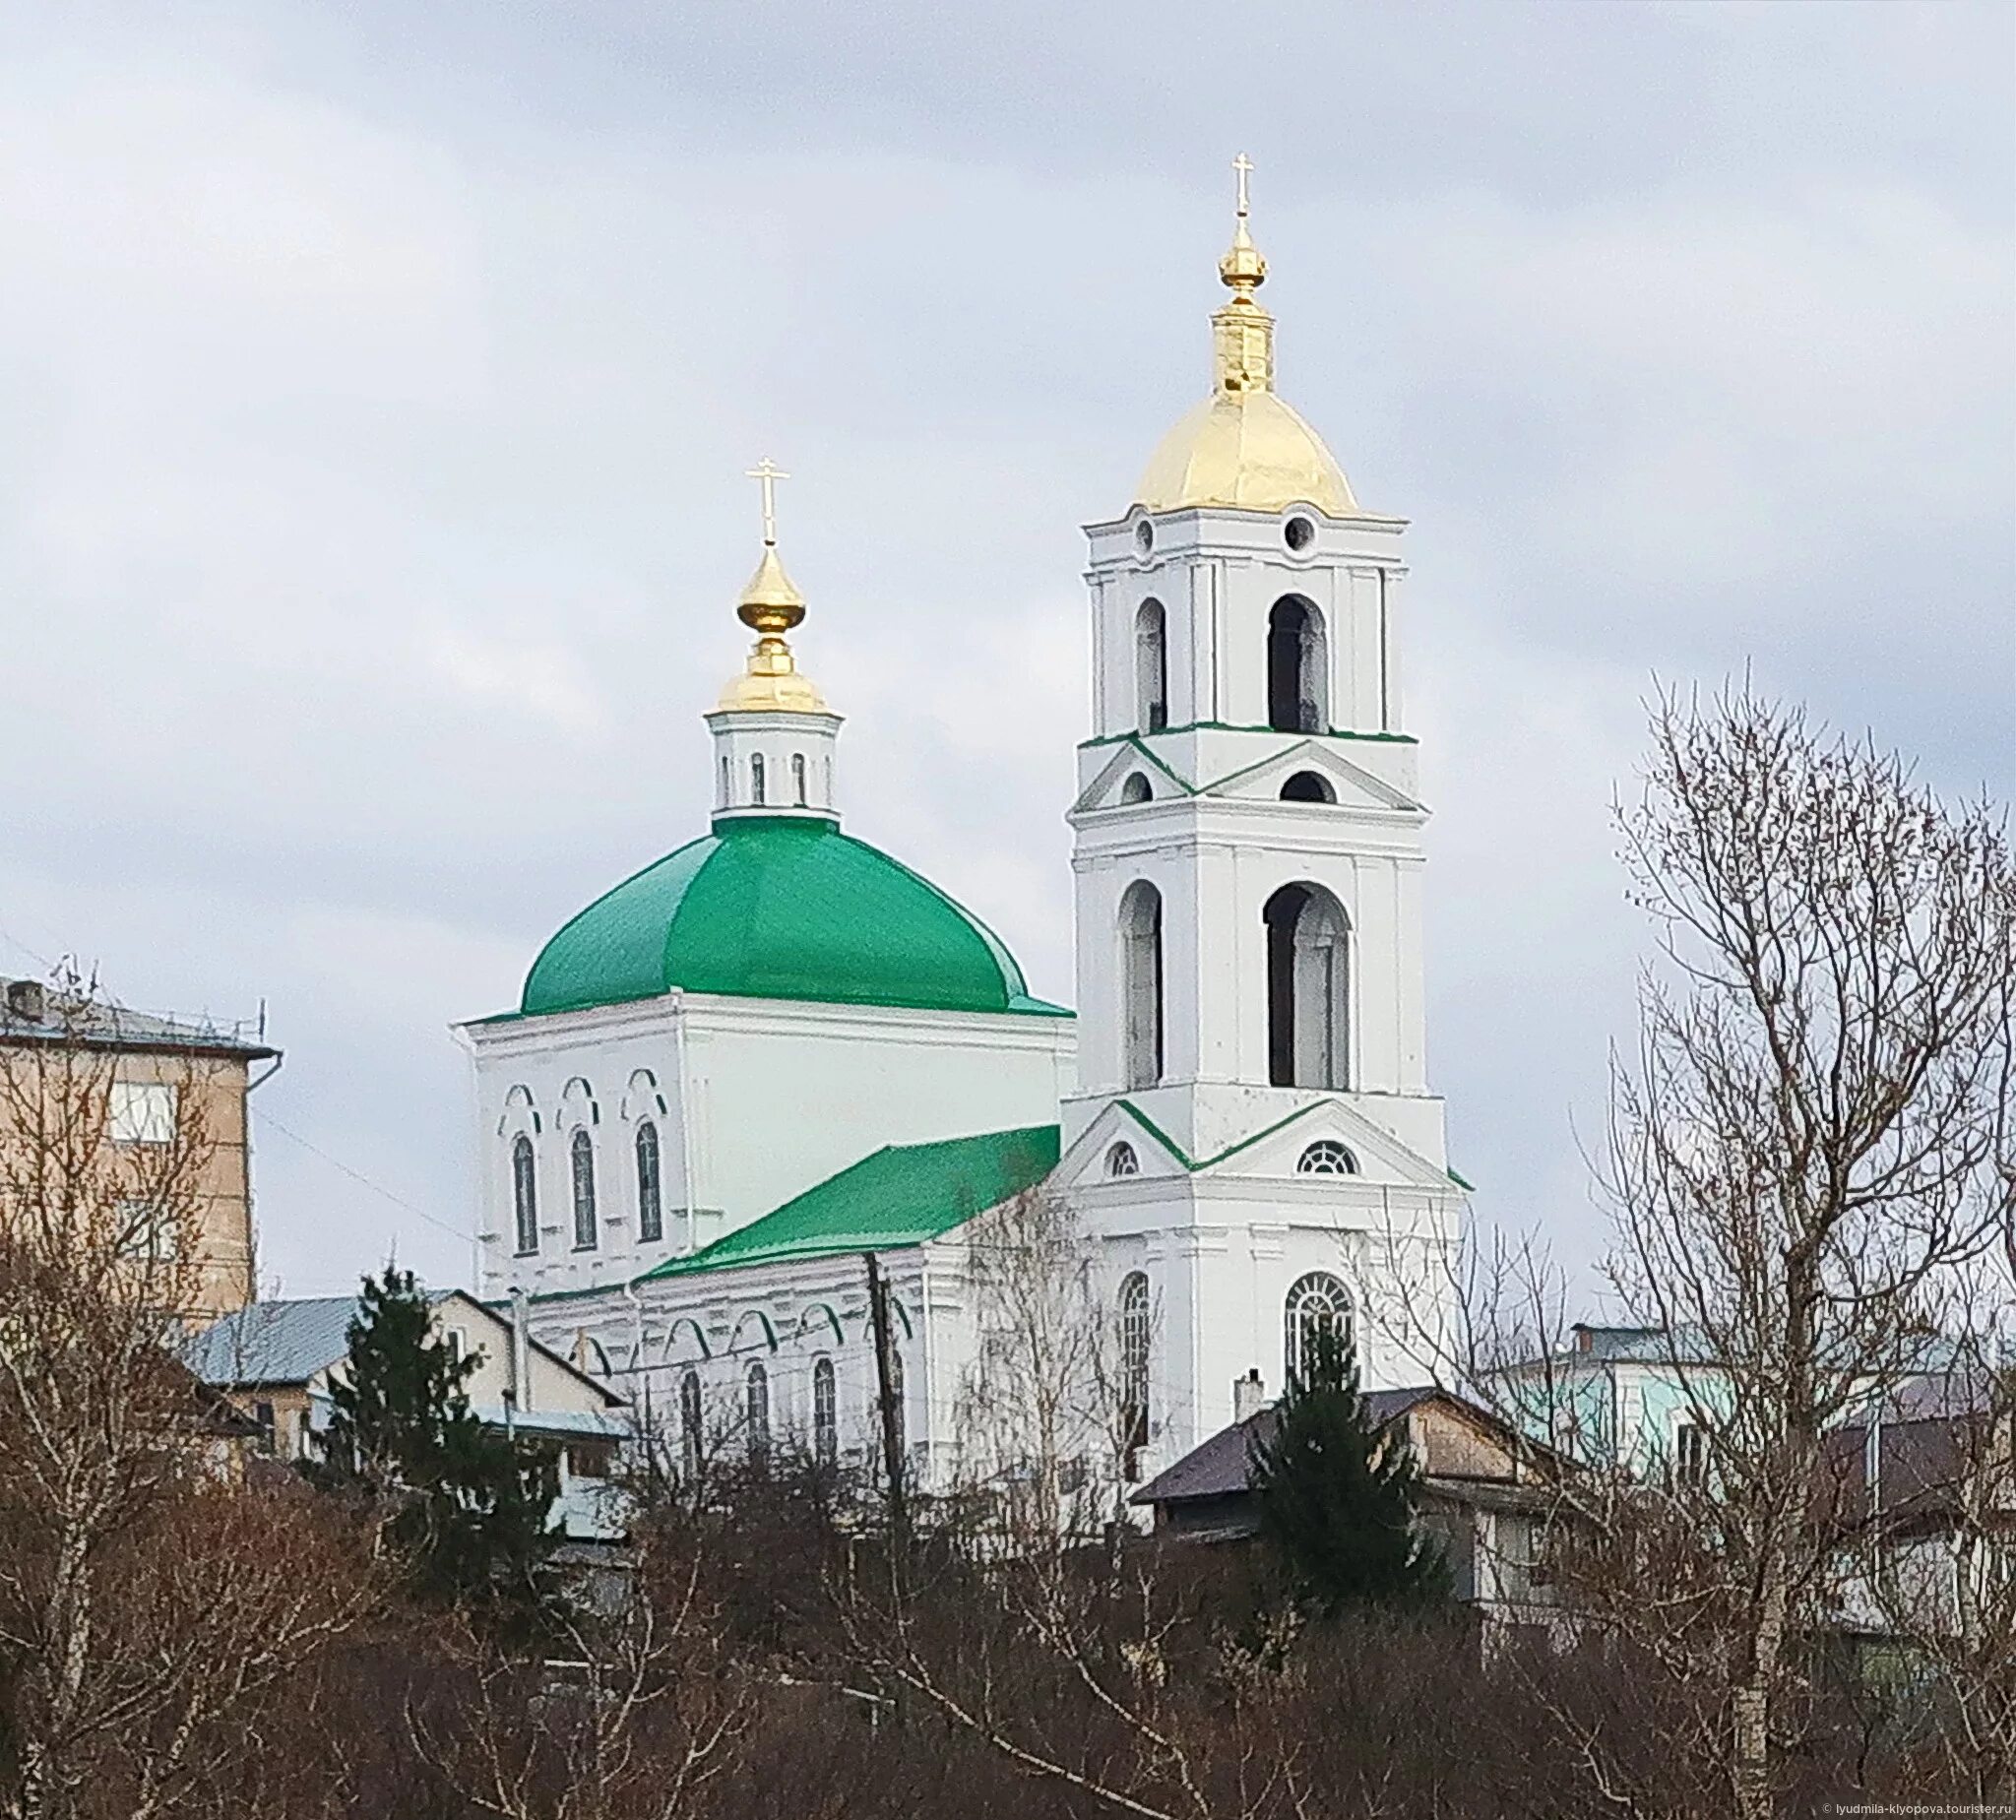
1242 169
767 474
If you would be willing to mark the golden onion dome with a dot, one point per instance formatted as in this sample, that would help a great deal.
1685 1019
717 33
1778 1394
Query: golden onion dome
1244 447
771 605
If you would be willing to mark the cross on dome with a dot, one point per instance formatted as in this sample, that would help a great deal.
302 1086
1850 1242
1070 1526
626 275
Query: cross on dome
767 474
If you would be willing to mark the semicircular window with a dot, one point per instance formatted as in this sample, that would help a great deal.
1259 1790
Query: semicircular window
1121 1159
1327 1156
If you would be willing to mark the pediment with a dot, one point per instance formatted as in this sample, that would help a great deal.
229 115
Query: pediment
1352 785
1088 1160
1381 1160
1129 759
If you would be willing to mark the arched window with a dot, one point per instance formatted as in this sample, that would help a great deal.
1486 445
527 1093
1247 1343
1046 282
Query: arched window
1326 1156
1121 1159
1136 788
525 1196
824 1414
581 1158
689 1425
1316 1303
1308 786
756 1411
650 1211
1151 667
1308 985
799 778
896 1397
1298 668
1135 1340
1141 983
728 782
756 778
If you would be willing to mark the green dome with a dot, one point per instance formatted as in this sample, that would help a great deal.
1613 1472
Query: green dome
779 907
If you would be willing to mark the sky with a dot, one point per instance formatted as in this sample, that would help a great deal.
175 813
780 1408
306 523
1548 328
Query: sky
377 382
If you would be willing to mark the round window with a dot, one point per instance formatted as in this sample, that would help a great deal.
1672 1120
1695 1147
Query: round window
1144 537
1298 533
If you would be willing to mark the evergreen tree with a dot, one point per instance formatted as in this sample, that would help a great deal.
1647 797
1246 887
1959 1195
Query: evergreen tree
465 1510
1338 1493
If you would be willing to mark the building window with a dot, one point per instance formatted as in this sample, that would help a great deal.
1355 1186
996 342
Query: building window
1690 1455
1316 1305
141 1112
651 1213
1135 1339
689 1425
1121 1159
1308 977
727 784
1326 1156
1152 667
525 1196
756 1413
581 1161
1297 690
458 1343
799 778
824 1414
756 778
262 1414
1141 983
896 1398
1308 786
1136 788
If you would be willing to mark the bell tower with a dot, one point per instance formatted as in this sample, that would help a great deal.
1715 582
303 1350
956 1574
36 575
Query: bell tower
1252 1099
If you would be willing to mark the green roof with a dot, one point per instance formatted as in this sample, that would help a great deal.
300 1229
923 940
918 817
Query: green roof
904 1194
780 906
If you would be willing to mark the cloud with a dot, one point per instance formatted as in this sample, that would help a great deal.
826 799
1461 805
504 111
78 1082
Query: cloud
371 511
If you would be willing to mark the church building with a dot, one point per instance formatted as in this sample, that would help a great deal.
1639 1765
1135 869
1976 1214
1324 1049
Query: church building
1238 1116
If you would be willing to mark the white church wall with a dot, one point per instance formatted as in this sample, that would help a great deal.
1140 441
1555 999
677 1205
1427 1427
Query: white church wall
761 1100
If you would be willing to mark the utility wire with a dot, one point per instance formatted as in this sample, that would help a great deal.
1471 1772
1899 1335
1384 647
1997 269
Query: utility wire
266 1119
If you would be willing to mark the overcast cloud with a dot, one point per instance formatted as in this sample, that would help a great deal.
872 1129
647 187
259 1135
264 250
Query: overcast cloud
376 383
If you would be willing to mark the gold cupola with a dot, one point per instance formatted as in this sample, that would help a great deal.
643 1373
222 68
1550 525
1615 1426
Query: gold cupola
1243 447
771 605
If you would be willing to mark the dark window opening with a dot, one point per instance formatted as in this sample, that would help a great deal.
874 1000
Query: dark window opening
1294 668
1308 786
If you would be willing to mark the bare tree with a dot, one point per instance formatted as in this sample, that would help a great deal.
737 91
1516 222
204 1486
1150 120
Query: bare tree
1809 1149
634 1712
146 1596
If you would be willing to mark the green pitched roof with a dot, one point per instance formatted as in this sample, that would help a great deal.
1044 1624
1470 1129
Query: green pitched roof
780 906
904 1194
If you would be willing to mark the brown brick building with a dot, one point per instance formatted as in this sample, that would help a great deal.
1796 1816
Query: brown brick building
162 1076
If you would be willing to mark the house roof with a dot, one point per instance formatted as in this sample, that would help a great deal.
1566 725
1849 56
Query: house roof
284 1343
902 1194
1217 1469
31 1011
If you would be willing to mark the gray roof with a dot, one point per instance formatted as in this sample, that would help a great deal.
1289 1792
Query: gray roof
1217 1469
31 1011
277 1342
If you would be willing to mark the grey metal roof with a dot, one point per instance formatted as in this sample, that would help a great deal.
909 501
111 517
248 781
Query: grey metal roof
278 1342
289 1342
108 1026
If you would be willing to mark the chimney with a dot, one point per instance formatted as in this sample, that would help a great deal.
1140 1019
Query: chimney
25 1000
1250 1396
1585 1337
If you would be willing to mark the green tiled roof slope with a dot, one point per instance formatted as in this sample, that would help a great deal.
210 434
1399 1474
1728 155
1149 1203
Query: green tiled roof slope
779 907
904 1194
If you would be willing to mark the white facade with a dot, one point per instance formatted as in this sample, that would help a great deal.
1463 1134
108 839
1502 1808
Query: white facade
751 1101
1248 753
1244 1110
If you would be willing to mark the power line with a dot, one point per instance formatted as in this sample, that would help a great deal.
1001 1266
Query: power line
266 1119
